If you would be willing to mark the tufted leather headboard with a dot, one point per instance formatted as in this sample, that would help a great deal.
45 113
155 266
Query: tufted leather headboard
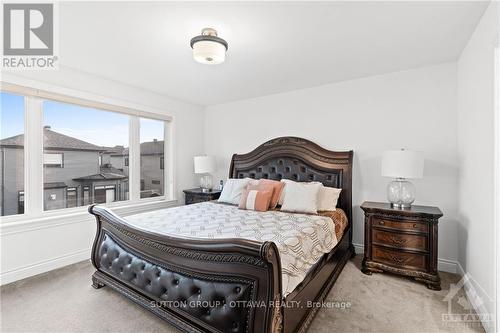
300 160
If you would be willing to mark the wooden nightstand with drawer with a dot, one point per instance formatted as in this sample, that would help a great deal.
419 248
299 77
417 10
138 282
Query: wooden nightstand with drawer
196 195
402 241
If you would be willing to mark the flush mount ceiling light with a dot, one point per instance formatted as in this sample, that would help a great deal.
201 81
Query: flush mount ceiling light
208 48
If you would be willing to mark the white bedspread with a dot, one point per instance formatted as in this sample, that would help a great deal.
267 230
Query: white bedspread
301 239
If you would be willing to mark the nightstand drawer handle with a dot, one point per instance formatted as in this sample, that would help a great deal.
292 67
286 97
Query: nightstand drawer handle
415 225
398 240
381 222
399 260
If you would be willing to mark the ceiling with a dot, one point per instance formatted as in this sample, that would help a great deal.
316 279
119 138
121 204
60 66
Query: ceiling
273 46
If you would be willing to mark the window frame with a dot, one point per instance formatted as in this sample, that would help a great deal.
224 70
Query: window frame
73 189
34 150
88 189
22 192
61 165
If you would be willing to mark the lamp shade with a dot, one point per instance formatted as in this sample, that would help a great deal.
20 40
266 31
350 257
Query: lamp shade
208 48
209 52
204 164
402 164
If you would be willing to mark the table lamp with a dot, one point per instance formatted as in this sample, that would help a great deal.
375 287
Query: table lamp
204 165
402 164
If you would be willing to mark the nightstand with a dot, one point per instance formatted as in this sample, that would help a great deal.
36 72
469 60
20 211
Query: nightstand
402 241
195 195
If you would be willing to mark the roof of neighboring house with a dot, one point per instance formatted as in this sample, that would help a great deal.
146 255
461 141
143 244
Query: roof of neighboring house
147 148
106 173
53 140
115 151
52 185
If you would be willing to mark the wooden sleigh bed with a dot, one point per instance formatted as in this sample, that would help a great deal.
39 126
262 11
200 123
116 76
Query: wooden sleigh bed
246 272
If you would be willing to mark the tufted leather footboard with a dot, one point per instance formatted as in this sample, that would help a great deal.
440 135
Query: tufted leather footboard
197 285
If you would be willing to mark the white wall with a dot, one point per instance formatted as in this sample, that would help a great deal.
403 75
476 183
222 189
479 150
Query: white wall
415 109
57 241
476 155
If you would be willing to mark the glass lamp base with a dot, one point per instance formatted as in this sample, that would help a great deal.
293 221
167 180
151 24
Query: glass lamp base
401 193
206 183
400 206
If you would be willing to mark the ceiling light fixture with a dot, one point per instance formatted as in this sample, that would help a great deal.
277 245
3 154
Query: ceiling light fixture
208 48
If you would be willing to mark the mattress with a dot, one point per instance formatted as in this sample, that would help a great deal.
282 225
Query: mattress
301 239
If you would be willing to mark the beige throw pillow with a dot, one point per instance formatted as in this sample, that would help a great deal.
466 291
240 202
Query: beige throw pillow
301 197
328 197
232 191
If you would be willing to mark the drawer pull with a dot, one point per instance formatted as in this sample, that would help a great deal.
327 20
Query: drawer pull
398 260
381 223
398 240
415 225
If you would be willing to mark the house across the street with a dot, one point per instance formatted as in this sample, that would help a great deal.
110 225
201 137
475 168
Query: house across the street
76 172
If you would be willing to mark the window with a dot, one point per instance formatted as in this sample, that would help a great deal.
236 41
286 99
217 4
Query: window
54 160
71 197
152 154
86 195
11 154
84 157
104 194
89 139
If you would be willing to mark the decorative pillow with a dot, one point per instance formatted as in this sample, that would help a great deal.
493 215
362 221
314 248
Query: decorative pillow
274 186
231 193
282 195
253 199
301 197
287 181
328 197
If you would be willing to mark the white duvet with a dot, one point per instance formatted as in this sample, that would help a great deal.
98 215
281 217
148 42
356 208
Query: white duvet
301 239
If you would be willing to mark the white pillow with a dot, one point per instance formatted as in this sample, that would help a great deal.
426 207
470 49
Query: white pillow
282 196
328 197
232 191
301 197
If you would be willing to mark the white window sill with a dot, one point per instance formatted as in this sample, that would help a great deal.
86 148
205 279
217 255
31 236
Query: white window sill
21 223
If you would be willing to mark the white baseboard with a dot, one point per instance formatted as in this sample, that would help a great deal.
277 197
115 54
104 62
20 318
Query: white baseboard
43 266
359 248
477 292
472 291
449 266
444 265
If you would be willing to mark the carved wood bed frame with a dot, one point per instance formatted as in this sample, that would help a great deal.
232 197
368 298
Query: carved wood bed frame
226 285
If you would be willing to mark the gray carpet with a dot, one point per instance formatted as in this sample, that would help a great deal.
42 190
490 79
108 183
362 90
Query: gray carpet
64 301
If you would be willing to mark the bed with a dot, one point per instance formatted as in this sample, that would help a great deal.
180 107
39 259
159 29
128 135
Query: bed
227 284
